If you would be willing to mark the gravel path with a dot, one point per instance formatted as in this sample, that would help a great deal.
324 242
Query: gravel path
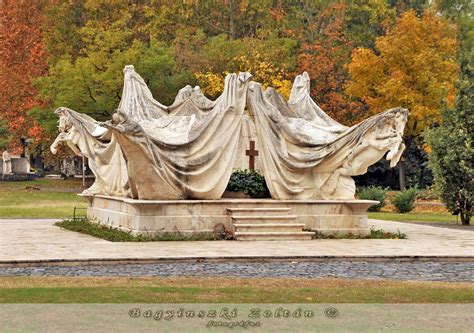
420 271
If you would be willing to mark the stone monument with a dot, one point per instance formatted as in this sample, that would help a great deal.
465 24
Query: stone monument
7 163
164 168
14 167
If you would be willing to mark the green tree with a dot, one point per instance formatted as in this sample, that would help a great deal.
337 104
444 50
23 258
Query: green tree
451 144
365 20
89 79
404 5
4 135
452 155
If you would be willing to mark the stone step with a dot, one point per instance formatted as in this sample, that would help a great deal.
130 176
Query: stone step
302 235
258 211
269 227
263 219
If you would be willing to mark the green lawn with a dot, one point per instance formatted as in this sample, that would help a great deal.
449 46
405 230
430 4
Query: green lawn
70 183
228 290
414 217
54 199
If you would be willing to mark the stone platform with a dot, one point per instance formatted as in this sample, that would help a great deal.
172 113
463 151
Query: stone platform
249 219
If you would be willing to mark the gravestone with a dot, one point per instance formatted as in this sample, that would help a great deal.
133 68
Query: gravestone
15 165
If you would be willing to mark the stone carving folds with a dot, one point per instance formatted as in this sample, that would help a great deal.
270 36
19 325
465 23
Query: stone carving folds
187 150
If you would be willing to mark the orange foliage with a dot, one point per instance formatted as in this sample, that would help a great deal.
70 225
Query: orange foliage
415 68
22 59
324 58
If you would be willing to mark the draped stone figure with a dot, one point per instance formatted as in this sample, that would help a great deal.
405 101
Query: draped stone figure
86 137
187 150
307 155
188 153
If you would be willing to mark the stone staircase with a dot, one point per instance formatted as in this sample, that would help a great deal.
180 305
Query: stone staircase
266 224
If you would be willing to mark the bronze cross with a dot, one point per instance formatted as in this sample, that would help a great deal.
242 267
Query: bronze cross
251 153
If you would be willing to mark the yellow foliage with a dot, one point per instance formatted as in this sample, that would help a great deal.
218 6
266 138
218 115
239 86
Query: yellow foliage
415 68
426 148
262 69
211 84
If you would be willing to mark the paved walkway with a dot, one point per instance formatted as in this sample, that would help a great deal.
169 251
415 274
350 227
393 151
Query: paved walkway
24 240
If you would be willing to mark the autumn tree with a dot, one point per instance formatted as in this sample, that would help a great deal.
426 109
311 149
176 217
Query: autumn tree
414 66
22 59
324 50
270 60
230 36
90 78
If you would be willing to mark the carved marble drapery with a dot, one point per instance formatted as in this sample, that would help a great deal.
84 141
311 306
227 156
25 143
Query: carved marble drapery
187 150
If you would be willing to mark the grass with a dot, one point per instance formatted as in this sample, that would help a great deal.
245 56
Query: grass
70 183
55 199
228 290
374 234
414 217
115 235
50 199
38 204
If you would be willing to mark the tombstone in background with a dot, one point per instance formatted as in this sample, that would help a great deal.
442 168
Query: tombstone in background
13 165
68 166
25 153
7 163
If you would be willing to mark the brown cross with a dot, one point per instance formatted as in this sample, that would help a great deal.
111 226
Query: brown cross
251 153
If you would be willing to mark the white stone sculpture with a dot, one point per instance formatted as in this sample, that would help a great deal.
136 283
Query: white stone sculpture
7 163
187 150
87 138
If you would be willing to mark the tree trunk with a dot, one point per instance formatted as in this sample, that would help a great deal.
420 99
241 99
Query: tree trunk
421 182
401 174
232 9
38 160
465 220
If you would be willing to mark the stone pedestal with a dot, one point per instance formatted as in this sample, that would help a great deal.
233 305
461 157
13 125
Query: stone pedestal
201 216
20 165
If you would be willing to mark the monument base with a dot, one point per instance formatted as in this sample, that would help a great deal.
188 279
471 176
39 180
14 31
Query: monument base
244 215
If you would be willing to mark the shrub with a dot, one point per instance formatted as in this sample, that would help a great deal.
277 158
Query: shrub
404 201
373 193
248 181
